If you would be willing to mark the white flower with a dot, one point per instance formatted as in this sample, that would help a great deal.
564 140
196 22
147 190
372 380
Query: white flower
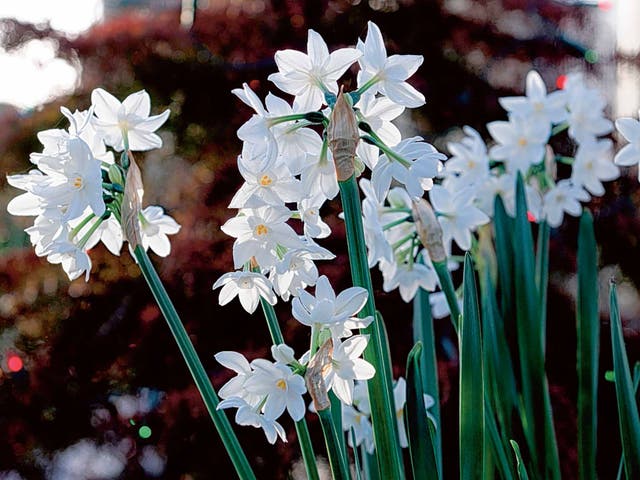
586 110
115 120
109 232
378 247
248 286
310 76
537 106
248 415
235 386
457 214
469 158
319 175
629 155
356 422
326 309
297 270
282 388
521 142
347 366
564 197
440 305
407 278
400 400
412 162
74 260
378 112
266 183
505 186
154 228
388 75
75 180
258 234
309 209
593 165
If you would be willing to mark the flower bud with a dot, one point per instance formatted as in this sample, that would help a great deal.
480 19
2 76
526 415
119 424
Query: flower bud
343 136
429 229
132 205
314 377
115 175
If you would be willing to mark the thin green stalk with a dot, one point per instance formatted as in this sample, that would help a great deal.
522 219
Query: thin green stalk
220 420
337 458
446 283
380 387
423 333
302 430
636 382
542 277
588 330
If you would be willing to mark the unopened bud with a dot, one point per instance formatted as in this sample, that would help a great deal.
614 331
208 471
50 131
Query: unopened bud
132 204
429 229
115 175
343 136
314 377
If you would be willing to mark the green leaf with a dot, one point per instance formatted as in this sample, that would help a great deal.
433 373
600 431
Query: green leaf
471 381
504 254
588 331
522 471
423 332
497 449
380 387
627 408
538 421
542 276
446 283
421 447
636 382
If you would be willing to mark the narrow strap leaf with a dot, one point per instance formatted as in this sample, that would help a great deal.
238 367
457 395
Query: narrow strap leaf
522 471
588 332
471 382
627 407
421 446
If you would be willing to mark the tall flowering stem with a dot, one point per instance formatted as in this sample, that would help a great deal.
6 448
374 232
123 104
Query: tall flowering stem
380 387
194 364
302 430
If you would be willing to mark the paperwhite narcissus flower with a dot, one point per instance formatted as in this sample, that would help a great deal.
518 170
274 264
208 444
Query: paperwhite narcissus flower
130 118
407 278
248 286
109 232
154 228
388 75
258 234
235 386
266 183
592 165
249 416
74 260
456 214
586 110
281 387
309 209
521 142
564 197
629 155
412 163
378 112
400 400
297 270
358 423
310 76
347 366
325 308
75 180
469 159
537 106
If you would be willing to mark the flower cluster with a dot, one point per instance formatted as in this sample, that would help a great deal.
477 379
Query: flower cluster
77 190
289 171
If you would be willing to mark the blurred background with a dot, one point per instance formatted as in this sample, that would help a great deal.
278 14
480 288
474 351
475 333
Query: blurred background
92 385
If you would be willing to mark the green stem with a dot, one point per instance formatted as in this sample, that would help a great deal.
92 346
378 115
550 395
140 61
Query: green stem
302 430
399 221
220 420
380 386
85 238
81 225
446 283
337 458
559 128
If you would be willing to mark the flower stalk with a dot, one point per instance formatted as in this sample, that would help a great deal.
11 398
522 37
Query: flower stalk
210 398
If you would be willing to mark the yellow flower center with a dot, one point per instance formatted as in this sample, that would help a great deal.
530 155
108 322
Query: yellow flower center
266 180
77 182
281 384
358 419
522 141
538 107
261 230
